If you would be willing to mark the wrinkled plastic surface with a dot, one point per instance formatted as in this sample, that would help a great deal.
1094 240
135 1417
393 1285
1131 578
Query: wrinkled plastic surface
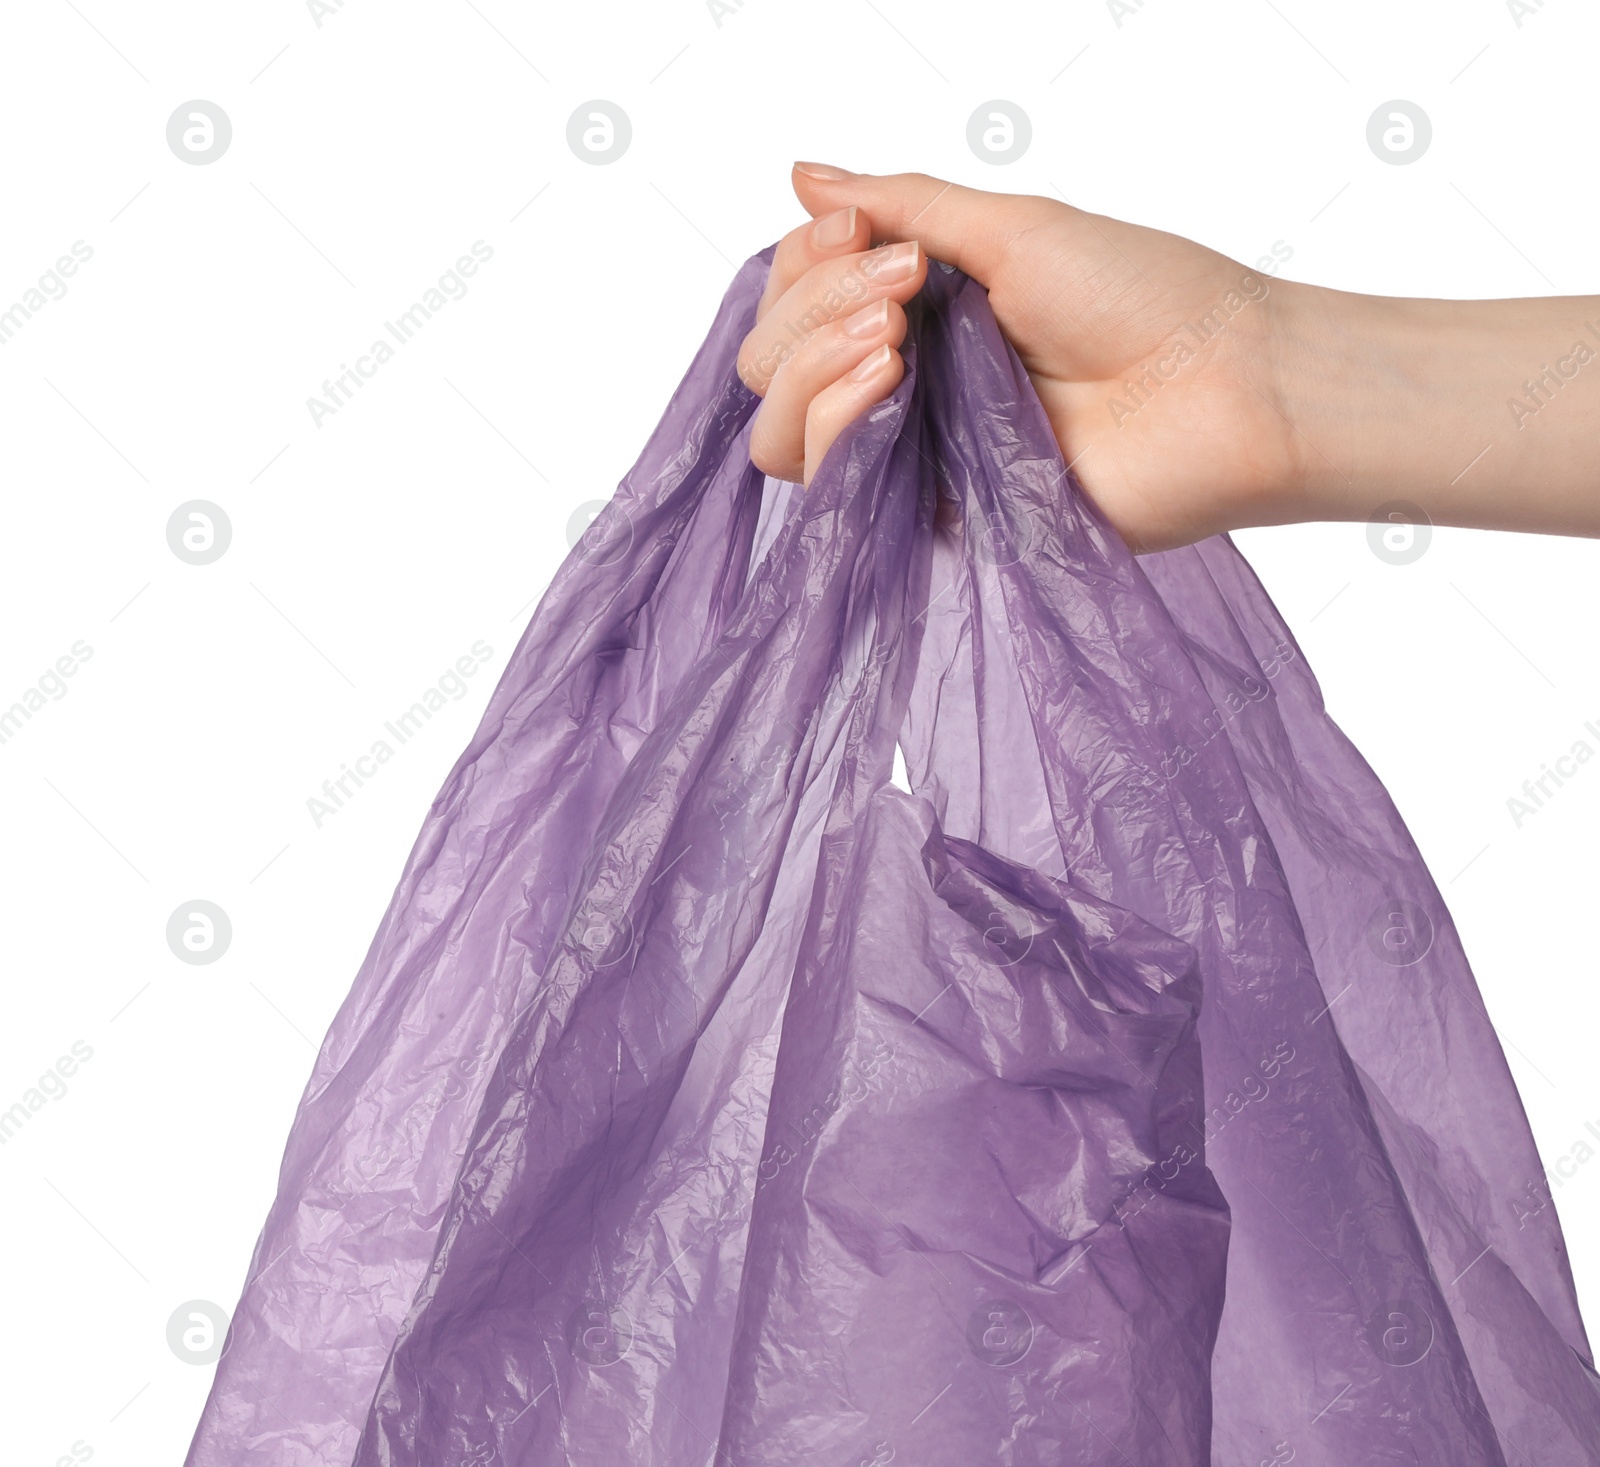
1119 1093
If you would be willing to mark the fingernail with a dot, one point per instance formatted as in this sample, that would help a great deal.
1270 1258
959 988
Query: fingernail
891 263
824 171
868 321
872 366
835 229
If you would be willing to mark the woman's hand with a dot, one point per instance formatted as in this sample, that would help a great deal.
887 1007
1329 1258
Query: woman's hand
1191 393
1153 356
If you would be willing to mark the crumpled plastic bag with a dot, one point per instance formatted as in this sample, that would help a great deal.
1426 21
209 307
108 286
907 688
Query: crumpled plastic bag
1109 1087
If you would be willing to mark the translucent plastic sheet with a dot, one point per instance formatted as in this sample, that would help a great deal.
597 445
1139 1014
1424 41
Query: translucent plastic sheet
1116 1093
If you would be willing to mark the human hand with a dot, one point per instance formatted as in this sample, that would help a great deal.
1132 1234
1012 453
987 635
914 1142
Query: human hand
1193 394
1152 355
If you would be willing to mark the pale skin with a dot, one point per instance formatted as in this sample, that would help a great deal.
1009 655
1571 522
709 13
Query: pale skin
1293 402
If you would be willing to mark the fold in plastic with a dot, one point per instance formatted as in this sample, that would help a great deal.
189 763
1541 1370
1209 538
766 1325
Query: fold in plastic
1117 1092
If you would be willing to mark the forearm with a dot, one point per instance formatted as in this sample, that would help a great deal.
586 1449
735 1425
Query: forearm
1483 413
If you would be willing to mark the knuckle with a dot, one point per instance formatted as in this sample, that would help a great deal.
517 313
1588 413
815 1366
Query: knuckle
749 375
816 360
822 414
767 453
762 456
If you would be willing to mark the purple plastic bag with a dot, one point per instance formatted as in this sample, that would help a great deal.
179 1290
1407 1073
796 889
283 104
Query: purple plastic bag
1119 1093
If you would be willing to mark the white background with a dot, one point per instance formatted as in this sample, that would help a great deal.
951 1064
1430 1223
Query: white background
371 552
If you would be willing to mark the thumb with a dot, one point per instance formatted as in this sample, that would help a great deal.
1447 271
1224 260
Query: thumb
966 227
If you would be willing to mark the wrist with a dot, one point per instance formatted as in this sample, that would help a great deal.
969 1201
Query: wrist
1481 413
1349 387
